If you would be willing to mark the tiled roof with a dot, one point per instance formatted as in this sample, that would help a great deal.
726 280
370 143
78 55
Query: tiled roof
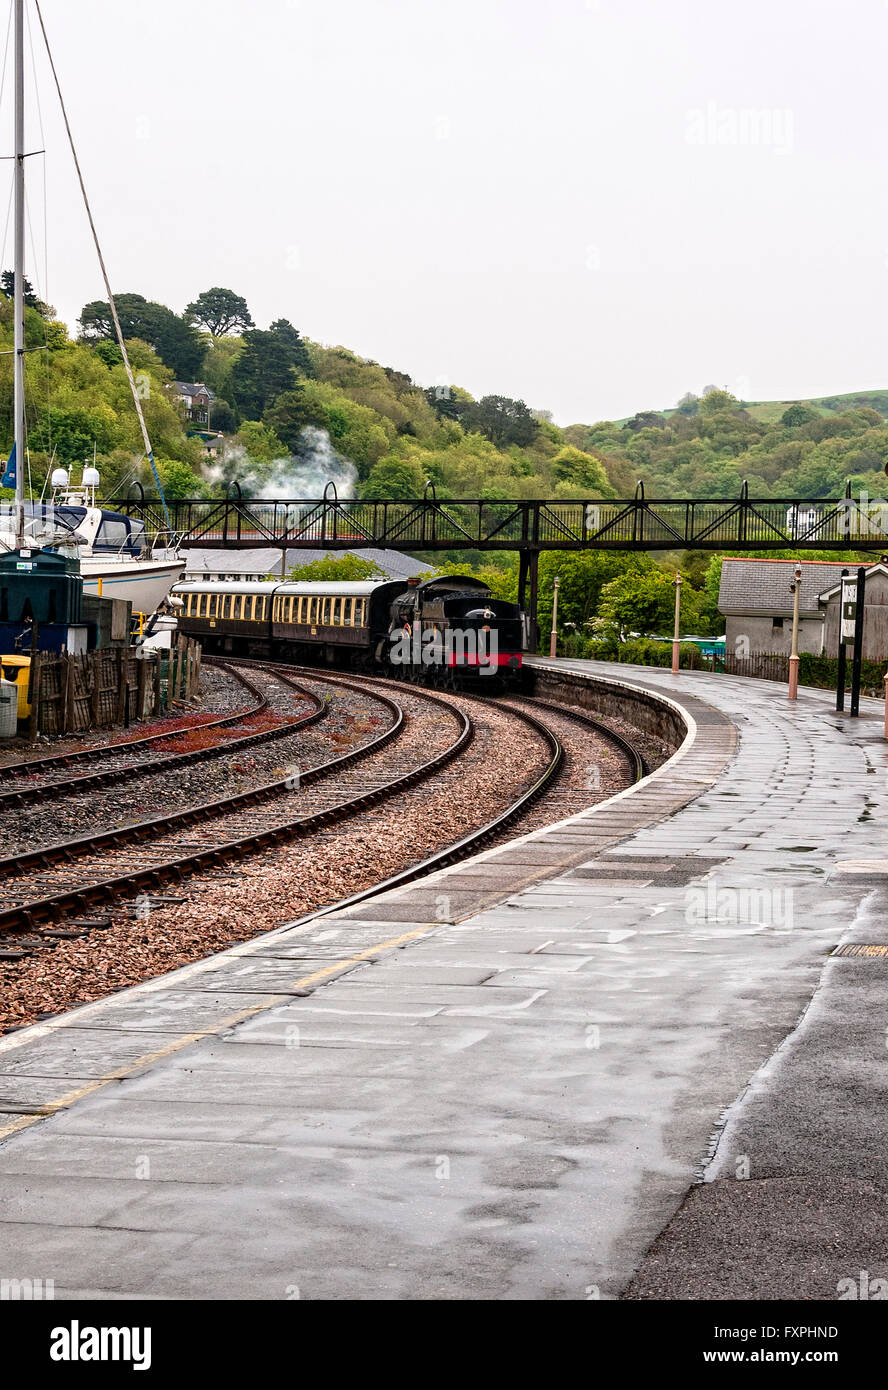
762 586
267 560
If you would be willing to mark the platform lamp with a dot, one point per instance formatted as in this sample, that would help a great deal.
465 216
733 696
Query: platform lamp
795 589
553 640
676 630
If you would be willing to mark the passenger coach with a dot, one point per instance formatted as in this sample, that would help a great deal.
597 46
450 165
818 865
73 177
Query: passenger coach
456 630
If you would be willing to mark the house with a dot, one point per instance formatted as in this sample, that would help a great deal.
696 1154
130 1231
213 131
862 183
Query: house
237 565
875 614
212 445
756 600
197 399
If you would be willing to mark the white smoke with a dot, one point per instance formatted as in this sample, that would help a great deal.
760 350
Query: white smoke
304 473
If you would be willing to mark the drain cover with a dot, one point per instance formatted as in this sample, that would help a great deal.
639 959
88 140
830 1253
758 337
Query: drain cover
863 948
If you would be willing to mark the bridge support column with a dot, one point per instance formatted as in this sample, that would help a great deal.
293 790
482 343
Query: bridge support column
528 567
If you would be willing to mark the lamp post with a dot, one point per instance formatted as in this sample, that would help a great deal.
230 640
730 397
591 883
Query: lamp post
795 589
553 640
676 631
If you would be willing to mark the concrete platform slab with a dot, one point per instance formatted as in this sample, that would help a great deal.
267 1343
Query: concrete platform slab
512 1100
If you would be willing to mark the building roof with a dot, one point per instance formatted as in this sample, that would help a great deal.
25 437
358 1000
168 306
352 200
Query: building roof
192 388
267 560
264 561
880 568
750 586
393 562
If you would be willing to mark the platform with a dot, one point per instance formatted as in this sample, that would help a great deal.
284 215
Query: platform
498 1083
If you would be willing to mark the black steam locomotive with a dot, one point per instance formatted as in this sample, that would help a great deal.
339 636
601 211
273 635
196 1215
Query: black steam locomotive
446 631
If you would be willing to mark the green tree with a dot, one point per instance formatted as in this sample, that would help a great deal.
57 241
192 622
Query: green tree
574 466
637 602
175 341
219 311
394 477
501 420
582 575
715 400
798 414
336 569
357 432
268 366
29 294
260 442
179 480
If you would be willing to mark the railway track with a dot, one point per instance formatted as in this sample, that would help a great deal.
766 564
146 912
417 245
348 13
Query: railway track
38 886
136 757
47 885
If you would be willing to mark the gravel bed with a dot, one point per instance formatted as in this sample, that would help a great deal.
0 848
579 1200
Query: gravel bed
234 904
220 695
594 769
352 719
225 906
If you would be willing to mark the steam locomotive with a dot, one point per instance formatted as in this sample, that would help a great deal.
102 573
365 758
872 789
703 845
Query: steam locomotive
445 631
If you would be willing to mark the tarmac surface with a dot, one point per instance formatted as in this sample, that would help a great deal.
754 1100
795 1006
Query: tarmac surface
613 1058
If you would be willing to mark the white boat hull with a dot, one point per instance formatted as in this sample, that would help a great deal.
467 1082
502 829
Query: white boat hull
146 583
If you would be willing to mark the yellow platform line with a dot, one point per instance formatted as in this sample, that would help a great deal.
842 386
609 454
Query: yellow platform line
315 978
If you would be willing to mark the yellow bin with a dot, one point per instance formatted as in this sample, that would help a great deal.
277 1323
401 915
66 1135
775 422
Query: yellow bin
18 669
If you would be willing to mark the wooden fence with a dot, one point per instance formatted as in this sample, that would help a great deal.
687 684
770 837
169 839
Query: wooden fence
110 687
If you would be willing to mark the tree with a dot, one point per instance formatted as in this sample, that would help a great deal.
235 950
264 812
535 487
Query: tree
178 479
222 417
637 602
343 568
7 285
270 363
261 443
394 477
219 311
689 404
574 466
646 420
501 420
582 575
178 344
715 400
798 414
357 432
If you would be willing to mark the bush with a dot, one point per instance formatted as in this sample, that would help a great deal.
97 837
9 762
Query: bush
822 672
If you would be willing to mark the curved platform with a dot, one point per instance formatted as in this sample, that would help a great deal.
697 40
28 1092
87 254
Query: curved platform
500 1082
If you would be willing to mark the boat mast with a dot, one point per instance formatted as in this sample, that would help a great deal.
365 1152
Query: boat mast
19 295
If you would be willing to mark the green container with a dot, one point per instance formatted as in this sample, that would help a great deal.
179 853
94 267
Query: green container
40 586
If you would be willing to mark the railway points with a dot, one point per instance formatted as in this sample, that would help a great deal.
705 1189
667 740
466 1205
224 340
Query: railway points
499 1081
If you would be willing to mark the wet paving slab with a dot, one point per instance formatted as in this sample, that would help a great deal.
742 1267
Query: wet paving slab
512 1091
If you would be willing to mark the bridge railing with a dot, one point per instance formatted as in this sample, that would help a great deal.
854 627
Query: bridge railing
637 523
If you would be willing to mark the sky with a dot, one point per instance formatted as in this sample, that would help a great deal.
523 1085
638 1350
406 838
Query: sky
592 205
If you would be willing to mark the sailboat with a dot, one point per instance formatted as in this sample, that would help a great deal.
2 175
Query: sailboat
116 558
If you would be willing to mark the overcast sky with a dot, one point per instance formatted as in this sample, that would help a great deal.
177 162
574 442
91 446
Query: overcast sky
594 205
